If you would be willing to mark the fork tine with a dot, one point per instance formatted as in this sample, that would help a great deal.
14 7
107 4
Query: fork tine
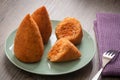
114 52
110 53
107 52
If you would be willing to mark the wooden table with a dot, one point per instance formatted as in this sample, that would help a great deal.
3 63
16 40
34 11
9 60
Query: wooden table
13 11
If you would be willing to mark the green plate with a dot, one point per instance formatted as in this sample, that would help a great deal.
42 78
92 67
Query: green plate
45 67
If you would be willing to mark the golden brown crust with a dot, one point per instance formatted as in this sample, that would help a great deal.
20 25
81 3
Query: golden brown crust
71 29
63 50
41 17
28 44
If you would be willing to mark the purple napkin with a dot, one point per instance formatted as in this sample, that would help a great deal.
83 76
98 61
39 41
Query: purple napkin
107 30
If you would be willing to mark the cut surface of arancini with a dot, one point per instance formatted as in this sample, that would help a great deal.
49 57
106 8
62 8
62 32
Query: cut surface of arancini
70 28
63 50
42 19
28 44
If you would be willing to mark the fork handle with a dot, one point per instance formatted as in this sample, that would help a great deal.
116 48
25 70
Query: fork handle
97 75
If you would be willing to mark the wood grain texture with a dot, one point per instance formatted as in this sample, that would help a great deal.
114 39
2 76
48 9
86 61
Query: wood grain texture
13 11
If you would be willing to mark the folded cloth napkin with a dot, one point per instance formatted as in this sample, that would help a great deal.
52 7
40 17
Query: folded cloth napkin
107 30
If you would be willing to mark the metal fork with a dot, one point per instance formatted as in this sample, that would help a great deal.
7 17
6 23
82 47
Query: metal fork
107 56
